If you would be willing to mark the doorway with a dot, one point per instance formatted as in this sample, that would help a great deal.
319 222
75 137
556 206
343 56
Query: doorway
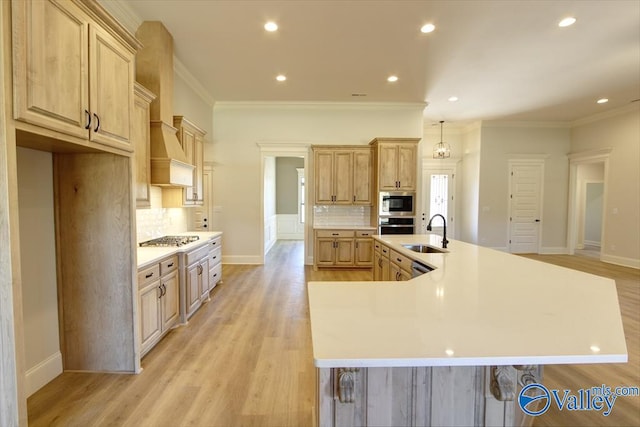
439 195
587 198
284 217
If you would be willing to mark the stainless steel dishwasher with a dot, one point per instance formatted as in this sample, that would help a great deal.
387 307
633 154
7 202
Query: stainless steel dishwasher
418 268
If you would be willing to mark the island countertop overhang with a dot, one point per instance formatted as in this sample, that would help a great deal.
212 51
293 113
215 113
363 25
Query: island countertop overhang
478 307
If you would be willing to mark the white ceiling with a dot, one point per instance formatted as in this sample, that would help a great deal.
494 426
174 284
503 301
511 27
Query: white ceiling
505 60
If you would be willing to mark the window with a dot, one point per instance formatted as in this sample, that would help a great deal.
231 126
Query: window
439 198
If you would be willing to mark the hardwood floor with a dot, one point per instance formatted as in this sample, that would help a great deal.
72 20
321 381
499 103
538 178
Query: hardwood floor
245 359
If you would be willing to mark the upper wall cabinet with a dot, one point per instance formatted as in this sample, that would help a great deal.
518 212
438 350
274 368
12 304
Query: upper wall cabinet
396 162
342 175
140 139
73 70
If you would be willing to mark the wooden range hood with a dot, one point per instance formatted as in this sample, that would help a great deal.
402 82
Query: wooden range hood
154 70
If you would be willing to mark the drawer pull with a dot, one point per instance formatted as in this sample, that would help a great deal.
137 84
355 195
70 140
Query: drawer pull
398 259
169 265
148 275
335 234
215 257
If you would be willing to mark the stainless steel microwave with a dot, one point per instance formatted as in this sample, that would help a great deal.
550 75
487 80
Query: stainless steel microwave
397 203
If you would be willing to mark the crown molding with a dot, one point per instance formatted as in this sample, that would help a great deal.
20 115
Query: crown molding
525 124
123 13
318 105
180 70
635 106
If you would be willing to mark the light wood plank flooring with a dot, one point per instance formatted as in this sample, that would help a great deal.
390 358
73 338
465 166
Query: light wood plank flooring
245 359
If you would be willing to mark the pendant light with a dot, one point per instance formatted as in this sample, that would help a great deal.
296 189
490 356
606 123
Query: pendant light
441 150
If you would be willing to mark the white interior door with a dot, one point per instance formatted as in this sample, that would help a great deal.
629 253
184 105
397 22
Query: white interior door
438 188
525 207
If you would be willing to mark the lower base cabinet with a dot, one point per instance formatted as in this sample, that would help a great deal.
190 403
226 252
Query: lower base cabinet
343 248
159 301
423 396
197 279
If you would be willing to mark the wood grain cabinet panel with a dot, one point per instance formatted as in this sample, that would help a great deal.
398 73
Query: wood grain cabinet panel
191 138
342 175
396 163
140 138
72 73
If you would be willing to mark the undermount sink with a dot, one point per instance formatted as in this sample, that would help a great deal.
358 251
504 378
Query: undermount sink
425 249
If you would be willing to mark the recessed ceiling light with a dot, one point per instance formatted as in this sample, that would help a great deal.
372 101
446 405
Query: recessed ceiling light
271 26
602 101
427 28
453 98
281 77
392 79
567 21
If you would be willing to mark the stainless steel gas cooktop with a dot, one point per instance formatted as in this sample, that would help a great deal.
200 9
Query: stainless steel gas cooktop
170 241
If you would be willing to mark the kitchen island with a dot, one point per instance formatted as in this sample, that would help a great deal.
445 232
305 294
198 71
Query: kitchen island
453 346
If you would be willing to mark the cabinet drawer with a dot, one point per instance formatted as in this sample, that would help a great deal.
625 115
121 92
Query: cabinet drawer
215 257
197 255
215 275
384 250
215 243
148 275
400 260
364 233
334 233
168 265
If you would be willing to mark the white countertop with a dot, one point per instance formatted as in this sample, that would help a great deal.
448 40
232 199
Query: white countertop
478 307
150 255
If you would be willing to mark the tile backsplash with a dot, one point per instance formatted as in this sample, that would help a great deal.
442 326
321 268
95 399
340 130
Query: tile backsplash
332 215
158 221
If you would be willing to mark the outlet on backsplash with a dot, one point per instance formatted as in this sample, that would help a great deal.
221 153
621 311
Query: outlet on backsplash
332 215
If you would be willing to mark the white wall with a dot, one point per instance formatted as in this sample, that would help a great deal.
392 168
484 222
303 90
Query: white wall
502 142
619 131
38 260
469 203
237 128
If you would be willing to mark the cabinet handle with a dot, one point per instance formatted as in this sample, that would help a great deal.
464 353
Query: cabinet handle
215 257
164 289
160 289
380 262
98 124
398 259
170 265
354 198
148 275
397 276
204 226
335 234
88 125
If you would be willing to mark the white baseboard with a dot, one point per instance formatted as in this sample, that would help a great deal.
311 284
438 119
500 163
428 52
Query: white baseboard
243 259
550 250
45 371
618 260
290 236
592 243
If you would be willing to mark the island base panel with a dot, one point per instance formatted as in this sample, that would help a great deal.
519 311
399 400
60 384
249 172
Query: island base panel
423 396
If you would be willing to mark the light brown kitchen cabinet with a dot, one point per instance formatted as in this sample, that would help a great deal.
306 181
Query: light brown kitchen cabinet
342 175
191 138
73 71
140 138
215 262
159 308
399 266
381 262
396 163
197 279
363 249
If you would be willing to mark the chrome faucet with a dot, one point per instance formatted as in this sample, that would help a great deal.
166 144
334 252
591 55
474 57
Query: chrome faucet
444 234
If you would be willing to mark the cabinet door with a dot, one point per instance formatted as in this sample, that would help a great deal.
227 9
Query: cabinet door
388 167
170 300
405 275
325 251
364 252
377 266
204 279
112 76
140 139
407 167
323 176
193 288
188 141
362 177
343 177
344 251
395 272
50 65
150 322
197 191
386 269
